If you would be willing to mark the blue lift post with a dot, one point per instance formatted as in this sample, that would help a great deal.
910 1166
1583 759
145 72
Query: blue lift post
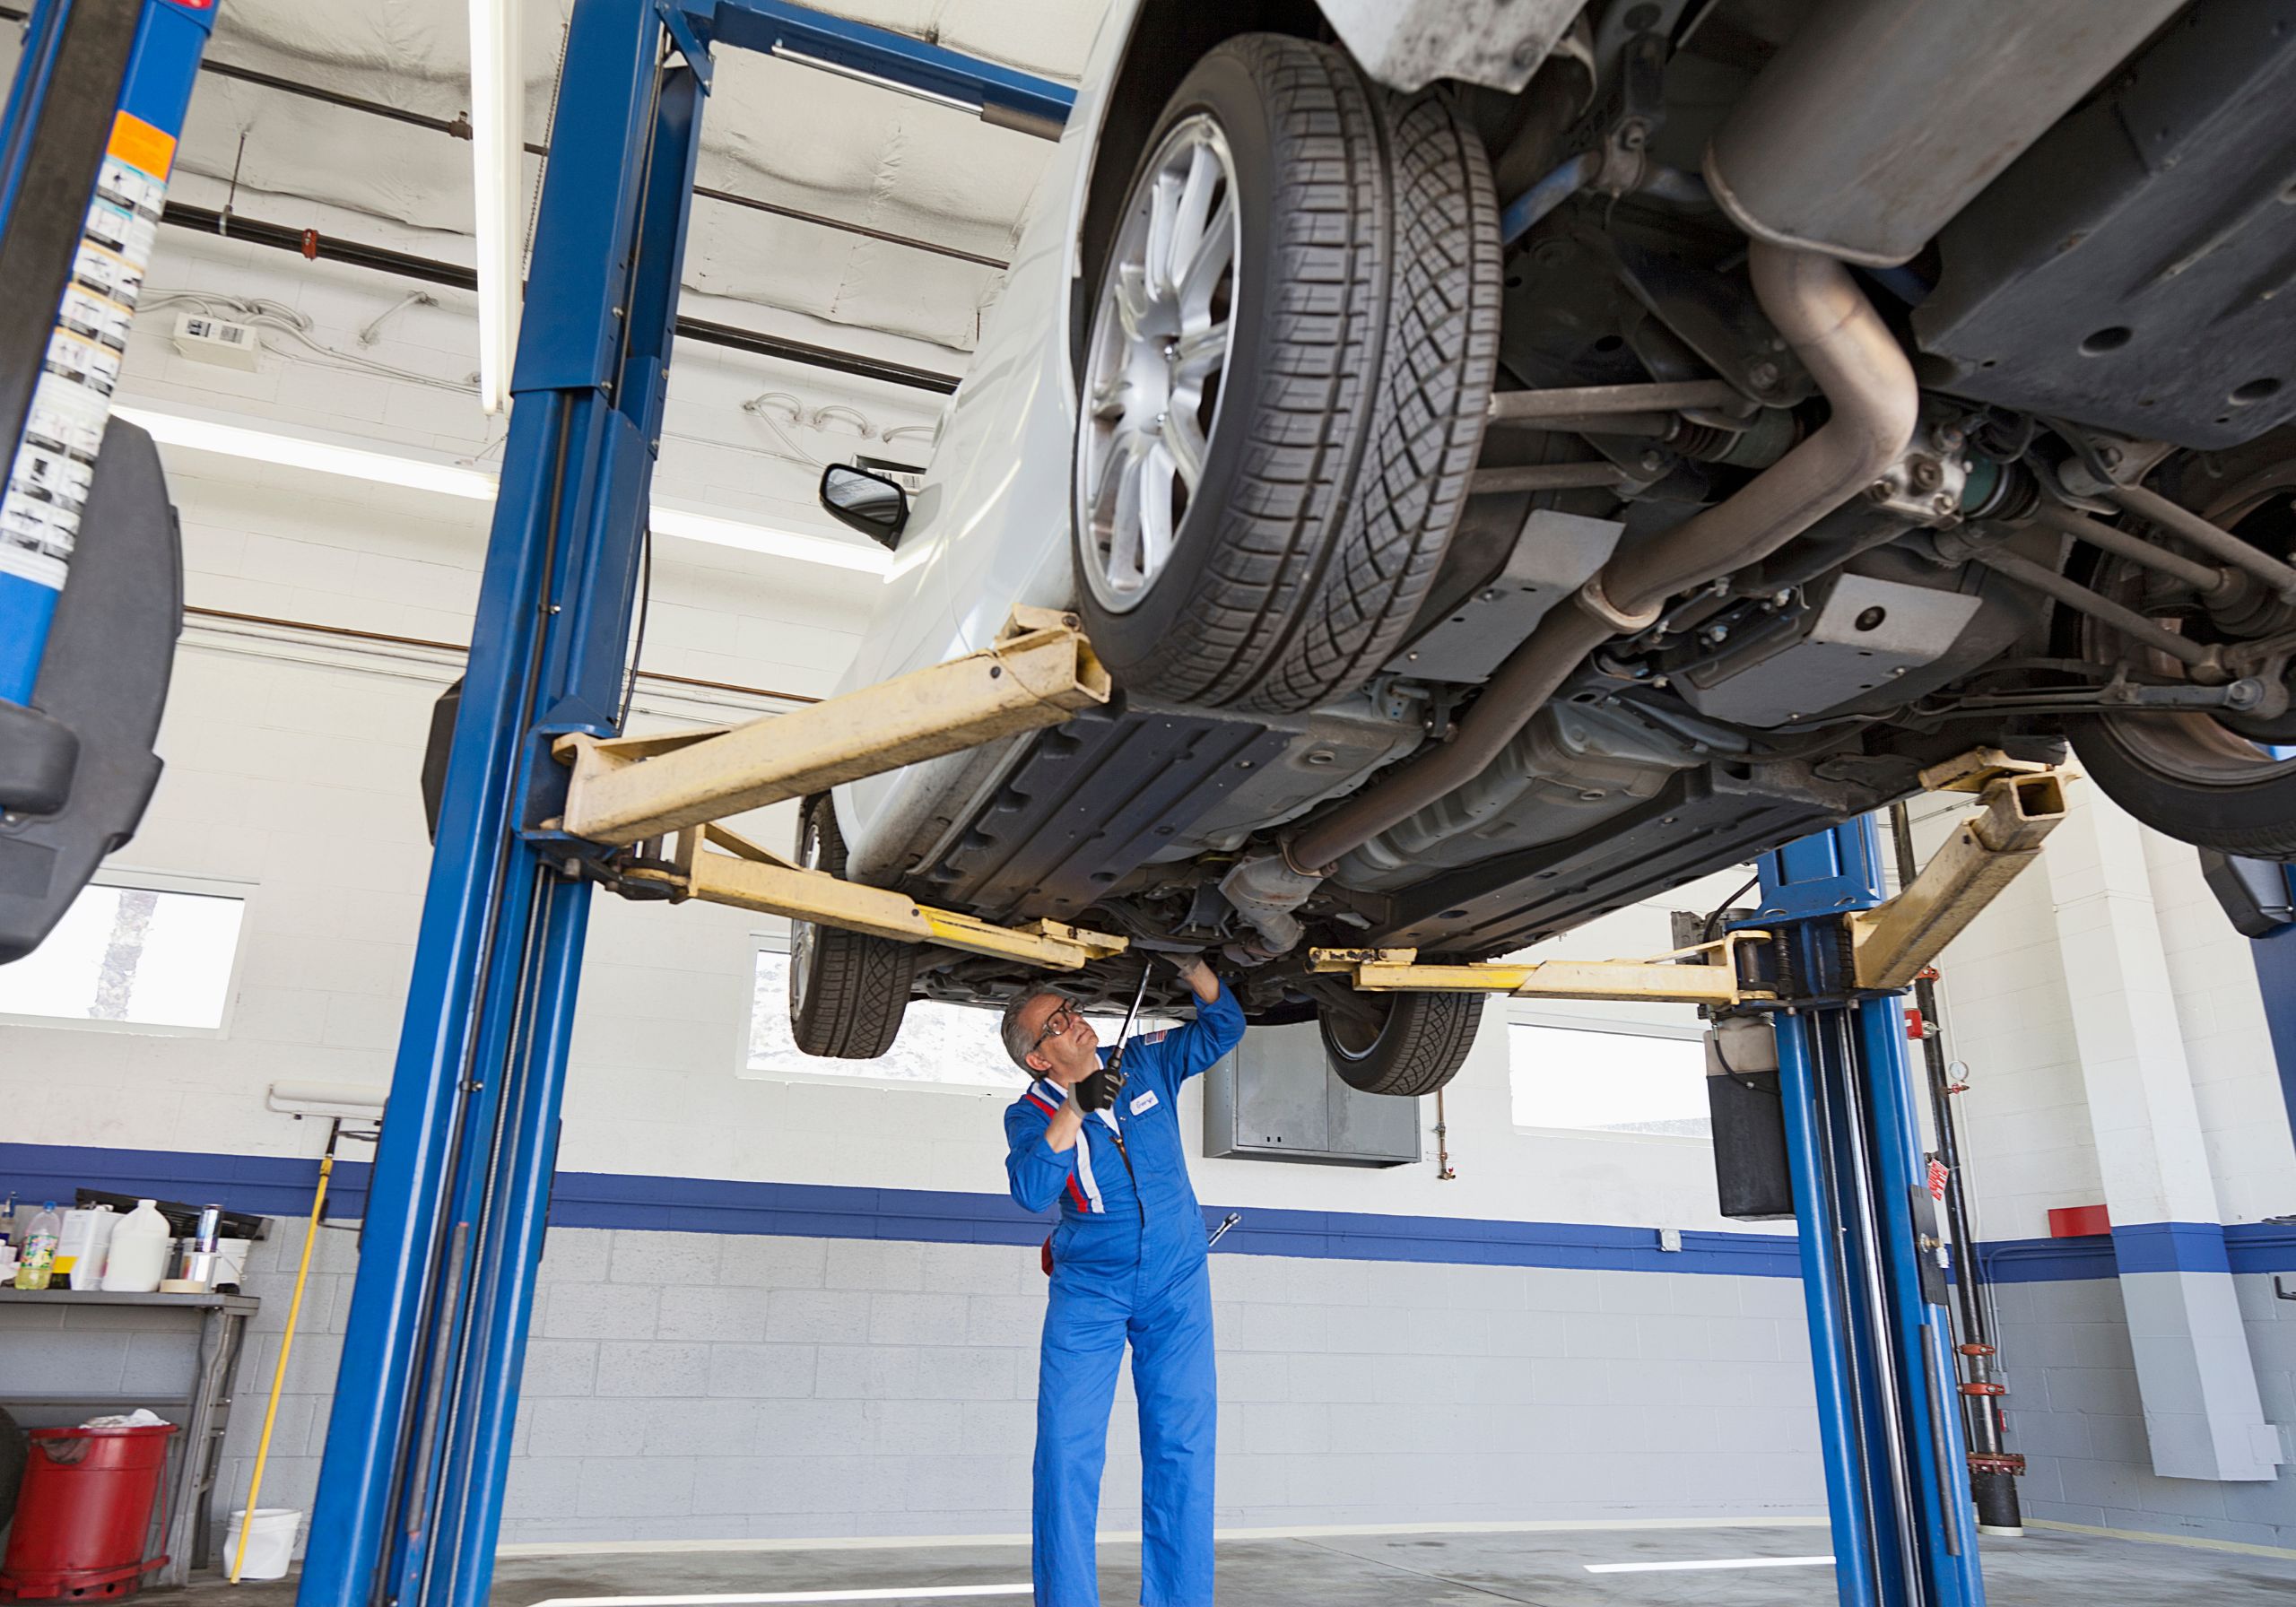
409 1502
111 77
1873 1272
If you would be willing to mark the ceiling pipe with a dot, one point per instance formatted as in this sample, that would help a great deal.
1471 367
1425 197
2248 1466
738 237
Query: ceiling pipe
311 245
460 128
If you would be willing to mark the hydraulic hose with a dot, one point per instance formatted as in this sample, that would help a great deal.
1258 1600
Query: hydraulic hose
1858 364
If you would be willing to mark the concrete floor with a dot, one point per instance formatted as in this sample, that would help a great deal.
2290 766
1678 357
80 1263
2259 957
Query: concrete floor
1545 1569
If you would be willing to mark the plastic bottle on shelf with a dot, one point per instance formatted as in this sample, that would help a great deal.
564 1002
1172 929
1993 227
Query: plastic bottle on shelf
79 1253
39 1248
139 1251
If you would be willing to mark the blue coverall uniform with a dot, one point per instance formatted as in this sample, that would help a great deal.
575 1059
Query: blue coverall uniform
1127 1261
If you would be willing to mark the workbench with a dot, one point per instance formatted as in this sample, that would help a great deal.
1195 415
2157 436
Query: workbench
69 1355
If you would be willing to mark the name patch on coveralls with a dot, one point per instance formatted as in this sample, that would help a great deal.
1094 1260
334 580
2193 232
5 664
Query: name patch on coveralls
1146 1101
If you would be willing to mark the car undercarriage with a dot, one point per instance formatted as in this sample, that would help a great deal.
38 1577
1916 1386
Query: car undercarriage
1771 497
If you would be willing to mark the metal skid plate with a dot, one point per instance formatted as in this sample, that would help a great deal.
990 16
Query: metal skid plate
1556 555
1864 633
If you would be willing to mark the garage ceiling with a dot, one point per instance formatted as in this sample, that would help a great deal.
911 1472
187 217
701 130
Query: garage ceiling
774 131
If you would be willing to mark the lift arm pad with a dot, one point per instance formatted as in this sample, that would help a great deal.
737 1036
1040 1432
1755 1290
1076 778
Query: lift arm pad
1894 941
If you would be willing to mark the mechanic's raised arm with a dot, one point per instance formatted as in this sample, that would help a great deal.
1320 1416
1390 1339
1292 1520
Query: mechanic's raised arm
1218 1026
1040 1153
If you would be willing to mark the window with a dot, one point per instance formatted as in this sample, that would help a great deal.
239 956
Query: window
948 1045
1602 1081
132 956
945 1046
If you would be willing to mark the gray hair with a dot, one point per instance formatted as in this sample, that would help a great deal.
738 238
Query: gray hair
1018 1043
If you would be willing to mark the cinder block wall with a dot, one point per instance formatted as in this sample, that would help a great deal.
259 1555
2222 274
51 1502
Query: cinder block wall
722 1386
2075 1413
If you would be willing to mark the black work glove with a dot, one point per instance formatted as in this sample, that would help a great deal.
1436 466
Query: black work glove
1097 1090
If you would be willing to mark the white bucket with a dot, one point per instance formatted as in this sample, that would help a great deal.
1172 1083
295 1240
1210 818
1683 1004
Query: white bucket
271 1543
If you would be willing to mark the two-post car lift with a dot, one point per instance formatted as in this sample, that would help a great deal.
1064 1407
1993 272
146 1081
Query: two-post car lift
544 800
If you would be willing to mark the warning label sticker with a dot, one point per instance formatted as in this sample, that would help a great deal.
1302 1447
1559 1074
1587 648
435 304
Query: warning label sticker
54 463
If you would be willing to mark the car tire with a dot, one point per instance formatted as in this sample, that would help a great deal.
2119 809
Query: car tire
2201 781
848 990
1415 1049
2137 770
1335 441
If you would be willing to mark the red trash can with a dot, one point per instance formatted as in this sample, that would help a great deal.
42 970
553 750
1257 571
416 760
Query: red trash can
84 1512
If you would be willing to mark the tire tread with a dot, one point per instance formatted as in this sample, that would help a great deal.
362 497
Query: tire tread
1420 1048
860 981
1384 337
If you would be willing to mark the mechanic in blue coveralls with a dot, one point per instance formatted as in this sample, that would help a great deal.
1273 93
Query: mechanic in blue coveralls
1127 1264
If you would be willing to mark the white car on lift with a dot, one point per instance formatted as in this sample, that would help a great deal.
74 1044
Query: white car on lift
1420 640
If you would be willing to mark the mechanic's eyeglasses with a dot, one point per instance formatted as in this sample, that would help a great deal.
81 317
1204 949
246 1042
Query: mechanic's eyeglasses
1061 1020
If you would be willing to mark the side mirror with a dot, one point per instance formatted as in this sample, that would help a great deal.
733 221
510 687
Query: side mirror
871 504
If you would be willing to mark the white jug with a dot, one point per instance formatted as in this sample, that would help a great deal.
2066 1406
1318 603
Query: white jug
139 1251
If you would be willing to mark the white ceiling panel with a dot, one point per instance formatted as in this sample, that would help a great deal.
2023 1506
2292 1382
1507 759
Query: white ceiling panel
773 131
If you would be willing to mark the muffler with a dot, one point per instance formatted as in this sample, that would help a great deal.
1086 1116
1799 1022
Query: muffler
1881 119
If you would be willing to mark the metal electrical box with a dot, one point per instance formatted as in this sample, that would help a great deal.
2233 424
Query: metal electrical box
1277 1099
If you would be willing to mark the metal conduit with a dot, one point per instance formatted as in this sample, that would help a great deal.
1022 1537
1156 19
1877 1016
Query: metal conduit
311 243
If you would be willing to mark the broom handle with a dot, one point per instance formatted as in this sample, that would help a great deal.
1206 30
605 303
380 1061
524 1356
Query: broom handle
279 1373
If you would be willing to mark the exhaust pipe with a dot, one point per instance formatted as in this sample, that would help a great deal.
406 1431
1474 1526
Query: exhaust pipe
1866 377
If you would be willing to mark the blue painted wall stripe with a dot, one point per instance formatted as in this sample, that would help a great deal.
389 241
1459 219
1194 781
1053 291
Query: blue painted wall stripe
2244 1248
282 1186
2171 1247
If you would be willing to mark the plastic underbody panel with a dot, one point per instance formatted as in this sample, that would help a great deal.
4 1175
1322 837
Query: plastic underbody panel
1702 820
1092 802
2131 268
1089 803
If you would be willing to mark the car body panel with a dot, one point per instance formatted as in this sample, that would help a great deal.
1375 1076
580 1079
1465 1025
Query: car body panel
988 531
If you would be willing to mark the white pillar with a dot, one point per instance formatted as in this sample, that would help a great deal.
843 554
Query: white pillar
2202 1411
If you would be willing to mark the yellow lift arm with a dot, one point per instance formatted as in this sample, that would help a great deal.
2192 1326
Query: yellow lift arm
723 867
1707 974
673 788
627 789
2019 803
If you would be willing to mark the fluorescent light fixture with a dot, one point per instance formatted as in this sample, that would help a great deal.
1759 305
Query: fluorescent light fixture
779 543
497 165
299 452
453 480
